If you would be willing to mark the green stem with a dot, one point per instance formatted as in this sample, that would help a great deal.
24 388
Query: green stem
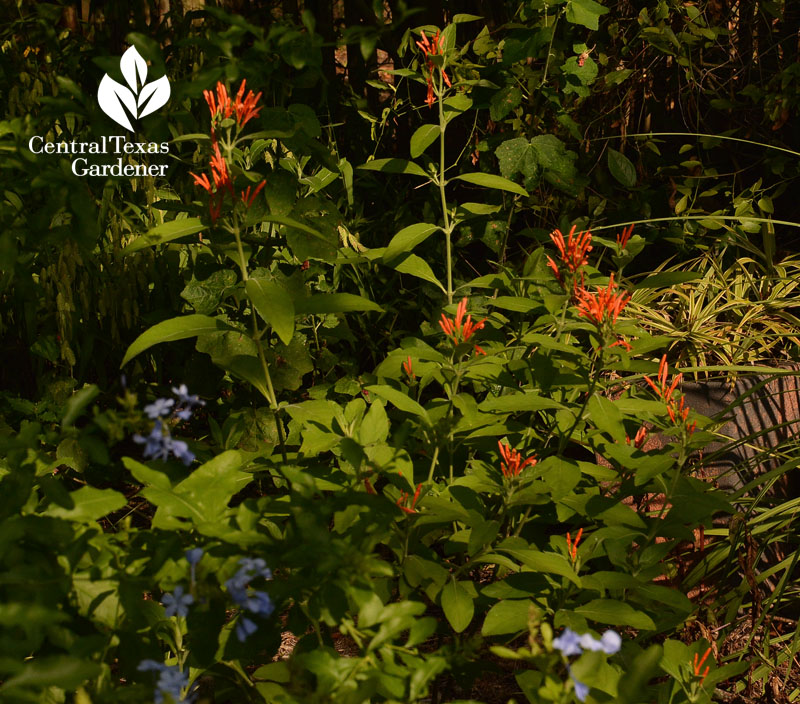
442 183
271 397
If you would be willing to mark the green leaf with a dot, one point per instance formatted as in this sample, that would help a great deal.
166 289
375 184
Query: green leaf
415 266
408 238
508 616
668 278
400 400
615 613
274 305
172 230
89 504
504 101
457 605
204 296
621 168
212 485
296 224
549 562
422 138
171 330
492 181
61 671
517 156
324 303
395 166
585 12
77 403
518 402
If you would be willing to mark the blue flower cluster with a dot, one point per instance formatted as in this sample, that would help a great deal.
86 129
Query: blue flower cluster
570 643
178 603
160 444
252 602
171 681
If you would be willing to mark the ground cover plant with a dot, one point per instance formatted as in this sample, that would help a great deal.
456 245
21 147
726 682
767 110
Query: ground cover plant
376 395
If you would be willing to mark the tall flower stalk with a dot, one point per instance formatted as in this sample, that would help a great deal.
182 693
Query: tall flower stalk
228 118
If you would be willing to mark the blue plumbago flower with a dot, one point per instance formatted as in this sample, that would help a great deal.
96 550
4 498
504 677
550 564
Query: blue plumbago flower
154 444
177 602
581 690
181 450
610 642
245 627
170 681
193 556
159 444
257 566
159 407
187 401
257 602
568 643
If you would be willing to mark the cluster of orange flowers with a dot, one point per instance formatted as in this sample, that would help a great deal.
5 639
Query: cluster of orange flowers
403 501
512 463
221 107
605 304
409 369
676 406
573 251
434 47
459 330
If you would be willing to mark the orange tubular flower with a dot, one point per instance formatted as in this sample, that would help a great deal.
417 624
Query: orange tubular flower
402 502
676 407
512 464
246 109
219 171
622 239
221 107
698 666
409 369
460 330
248 199
573 251
434 47
572 548
604 305
638 439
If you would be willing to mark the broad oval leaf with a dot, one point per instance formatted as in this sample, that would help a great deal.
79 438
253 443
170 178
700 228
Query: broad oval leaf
324 303
507 616
408 238
400 400
457 605
89 504
168 231
548 562
173 329
615 613
274 305
422 138
518 402
621 168
395 166
493 181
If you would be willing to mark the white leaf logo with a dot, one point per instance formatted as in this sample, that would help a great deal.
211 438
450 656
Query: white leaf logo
140 99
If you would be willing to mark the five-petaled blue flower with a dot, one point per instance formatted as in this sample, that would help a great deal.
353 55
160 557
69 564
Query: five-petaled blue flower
159 407
256 602
177 602
610 642
568 643
187 401
170 681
